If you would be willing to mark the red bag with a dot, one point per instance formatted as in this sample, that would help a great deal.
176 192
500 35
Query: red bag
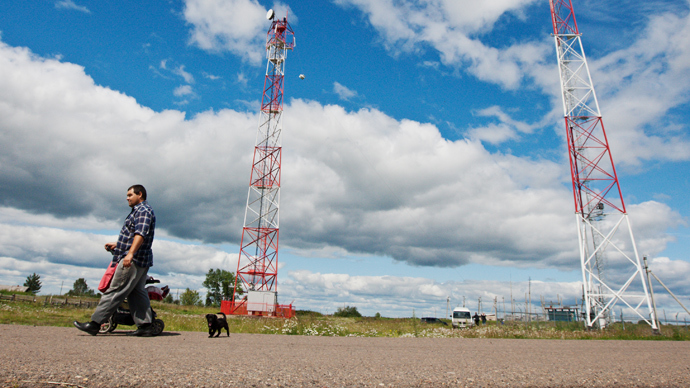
107 277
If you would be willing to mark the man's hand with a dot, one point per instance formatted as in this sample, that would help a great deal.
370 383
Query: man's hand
110 246
136 243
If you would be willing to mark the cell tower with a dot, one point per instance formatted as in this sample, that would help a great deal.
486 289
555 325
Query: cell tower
257 267
611 268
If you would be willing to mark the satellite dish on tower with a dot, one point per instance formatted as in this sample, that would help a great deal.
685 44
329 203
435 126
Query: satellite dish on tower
270 14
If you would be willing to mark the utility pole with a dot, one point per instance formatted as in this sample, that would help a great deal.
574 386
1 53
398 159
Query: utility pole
651 289
596 191
529 288
651 292
495 308
504 307
512 301
447 305
527 308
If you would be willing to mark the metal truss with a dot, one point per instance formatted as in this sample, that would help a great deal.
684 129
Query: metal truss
612 272
257 267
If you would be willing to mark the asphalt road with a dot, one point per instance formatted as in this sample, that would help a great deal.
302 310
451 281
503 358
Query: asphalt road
49 356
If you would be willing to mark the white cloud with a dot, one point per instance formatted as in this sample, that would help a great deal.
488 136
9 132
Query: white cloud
507 128
380 186
398 188
66 136
494 134
188 78
674 274
15 216
183 90
395 296
62 246
398 296
451 27
176 70
237 26
70 4
343 92
651 221
637 85
55 277
242 79
353 182
40 244
359 182
211 76
496 111
62 255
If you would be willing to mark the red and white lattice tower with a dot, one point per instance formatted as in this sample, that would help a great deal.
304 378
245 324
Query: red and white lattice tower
257 267
611 268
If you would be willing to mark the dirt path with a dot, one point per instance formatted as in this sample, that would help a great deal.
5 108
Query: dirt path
32 356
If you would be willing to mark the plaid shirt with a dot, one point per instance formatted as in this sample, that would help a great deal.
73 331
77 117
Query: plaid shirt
141 221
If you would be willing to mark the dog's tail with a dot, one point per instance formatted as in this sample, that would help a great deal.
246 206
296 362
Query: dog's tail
220 312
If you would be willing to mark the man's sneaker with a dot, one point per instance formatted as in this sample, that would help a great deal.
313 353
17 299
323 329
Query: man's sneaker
90 327
143 331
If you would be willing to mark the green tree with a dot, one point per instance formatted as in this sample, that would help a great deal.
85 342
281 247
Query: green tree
33 282
190 298
347 312
80 288
168 299
220 284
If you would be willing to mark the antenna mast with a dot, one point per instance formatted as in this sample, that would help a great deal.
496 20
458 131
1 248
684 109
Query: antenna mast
599 208
257 267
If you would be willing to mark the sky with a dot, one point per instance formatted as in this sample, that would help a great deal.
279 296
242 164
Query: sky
424 158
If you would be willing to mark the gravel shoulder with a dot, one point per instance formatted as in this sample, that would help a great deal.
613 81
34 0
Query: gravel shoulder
44 356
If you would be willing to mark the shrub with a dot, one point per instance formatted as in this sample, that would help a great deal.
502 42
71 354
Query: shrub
190 298
347 311
308 313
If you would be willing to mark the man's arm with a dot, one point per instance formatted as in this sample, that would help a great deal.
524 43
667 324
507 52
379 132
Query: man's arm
136 243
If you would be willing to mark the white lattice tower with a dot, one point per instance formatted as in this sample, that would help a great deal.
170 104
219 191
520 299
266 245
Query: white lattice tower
605 236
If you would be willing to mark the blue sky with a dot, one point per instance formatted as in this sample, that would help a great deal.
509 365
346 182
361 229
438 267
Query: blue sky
423 153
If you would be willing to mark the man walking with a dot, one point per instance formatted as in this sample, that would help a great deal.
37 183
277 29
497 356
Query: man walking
132 252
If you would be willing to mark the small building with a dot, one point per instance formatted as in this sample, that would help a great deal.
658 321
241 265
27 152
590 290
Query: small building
14 288
562 314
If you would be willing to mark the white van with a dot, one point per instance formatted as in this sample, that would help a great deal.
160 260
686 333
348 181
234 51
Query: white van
462 317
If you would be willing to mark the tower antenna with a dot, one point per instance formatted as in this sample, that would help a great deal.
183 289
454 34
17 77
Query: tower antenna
599 208
257 267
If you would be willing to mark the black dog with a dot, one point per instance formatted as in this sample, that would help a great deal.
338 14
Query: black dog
217 324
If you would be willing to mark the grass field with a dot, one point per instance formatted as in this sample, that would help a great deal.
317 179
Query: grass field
191 318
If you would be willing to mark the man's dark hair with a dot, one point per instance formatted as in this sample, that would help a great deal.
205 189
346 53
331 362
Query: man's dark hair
139 189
